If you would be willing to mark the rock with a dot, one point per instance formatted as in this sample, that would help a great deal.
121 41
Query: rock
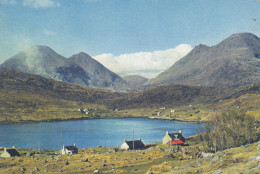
44 161
134 170
247 150
235 160
35 168
28 154
45 171
60 171
104 161
254 158
218 172
168 156
104 165
258 147
96 171
67 163
84 160
199 163
111 164
23 169
215 159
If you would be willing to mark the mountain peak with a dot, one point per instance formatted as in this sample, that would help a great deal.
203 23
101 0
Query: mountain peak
233 62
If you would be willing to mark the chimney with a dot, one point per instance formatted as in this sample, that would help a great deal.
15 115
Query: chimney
167 133
180 131
74 144
139 139
124 140
5 149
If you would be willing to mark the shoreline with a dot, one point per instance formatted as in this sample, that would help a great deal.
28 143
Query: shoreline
94 118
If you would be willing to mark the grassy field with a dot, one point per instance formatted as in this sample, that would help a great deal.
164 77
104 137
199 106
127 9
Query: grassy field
156 158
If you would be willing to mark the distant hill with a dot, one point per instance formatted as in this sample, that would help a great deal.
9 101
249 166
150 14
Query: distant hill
31 97
79 69
234 62
171 96
135 81
34 84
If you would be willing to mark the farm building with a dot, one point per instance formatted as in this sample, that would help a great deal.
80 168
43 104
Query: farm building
173 136
69 150
9 153
132 145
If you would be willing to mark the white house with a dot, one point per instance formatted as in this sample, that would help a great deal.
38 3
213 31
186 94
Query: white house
132 145
9 153
69 150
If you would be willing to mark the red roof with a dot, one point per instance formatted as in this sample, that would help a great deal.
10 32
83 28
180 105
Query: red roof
177 142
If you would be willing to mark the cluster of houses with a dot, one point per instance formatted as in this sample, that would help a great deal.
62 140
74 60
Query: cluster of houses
169 138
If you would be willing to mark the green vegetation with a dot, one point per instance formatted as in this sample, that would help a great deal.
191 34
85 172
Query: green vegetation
229 130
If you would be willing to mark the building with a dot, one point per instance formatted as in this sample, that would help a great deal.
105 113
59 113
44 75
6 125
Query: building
132 145
69 150
9 153
173 136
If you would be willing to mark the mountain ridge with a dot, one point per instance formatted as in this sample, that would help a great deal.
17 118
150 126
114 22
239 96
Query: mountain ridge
230 63
79 68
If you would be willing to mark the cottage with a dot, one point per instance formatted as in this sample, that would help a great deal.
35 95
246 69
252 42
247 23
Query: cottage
132 145
173 136
69 150
9 153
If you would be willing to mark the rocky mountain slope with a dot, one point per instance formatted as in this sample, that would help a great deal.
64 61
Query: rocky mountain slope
233 62
135 81
79 69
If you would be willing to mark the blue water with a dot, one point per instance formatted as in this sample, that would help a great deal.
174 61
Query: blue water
89 133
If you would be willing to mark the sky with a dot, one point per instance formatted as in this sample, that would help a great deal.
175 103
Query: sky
142 37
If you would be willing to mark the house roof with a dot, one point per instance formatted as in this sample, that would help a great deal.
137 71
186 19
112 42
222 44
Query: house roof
176 135
12 152
138 144
177 142
71 148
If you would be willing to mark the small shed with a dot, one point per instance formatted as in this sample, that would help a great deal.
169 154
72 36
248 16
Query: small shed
9 153
173 136
132 145
69 150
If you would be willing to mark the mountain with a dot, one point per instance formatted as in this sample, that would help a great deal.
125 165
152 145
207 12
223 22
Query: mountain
232 63
79 69
98 74
135 81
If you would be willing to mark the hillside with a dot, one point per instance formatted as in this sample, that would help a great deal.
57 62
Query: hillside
30 97
79 69
234 62
172 96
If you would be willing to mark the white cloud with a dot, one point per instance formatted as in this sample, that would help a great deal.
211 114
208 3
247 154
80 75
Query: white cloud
148 64
11 2
40 3
49 33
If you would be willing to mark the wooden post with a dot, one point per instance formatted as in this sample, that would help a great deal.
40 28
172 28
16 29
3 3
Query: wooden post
133 139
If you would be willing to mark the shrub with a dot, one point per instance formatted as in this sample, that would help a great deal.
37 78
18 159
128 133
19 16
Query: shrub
228 130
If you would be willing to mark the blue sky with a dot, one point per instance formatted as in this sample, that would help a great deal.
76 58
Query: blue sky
111 30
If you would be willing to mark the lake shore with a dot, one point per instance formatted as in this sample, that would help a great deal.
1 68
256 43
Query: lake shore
97 117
